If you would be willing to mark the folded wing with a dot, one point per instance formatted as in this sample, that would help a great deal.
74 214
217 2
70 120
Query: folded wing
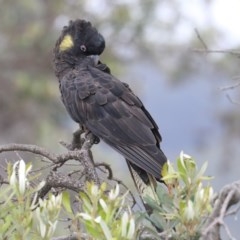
110 110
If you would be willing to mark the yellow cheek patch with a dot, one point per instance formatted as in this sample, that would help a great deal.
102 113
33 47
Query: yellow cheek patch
66 43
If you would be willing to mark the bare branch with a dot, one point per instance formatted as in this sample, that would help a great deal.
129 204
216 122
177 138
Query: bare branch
228 196
230 52
233 86
2 181
84 155
88 160
29 148
207 50
73 236
59 180
231 100
201 39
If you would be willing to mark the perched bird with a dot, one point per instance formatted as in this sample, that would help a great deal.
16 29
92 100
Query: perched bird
104 105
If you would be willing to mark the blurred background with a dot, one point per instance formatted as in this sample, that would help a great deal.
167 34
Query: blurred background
150 44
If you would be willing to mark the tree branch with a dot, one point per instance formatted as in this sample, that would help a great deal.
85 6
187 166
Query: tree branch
56 179
29 148
228 196
73 236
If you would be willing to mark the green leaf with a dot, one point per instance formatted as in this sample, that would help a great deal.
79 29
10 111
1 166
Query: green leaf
152 203
93 229
158 220
164 171
202 171
66 201
87 205
182 170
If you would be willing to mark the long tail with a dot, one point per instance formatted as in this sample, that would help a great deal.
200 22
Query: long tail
145 183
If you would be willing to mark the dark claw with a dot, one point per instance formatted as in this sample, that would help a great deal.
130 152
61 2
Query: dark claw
94 139
77 141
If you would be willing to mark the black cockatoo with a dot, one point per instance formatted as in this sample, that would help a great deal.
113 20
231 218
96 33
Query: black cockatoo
104 105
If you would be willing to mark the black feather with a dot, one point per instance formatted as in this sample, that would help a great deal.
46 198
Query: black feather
106 106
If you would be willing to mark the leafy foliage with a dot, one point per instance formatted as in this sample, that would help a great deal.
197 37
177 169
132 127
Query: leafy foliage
104 215
182 210
20 216
178 211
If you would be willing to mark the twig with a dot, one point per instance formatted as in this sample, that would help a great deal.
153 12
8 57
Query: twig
231 52
234 211
229 196
231 100
86 154
233 86
107 167
110 177
29 148
55 158
73 236
201 39
55 179
59 180
2 180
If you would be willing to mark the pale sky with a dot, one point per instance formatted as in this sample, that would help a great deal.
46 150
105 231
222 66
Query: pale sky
222 14
226 15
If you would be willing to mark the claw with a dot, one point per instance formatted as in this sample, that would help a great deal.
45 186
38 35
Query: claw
94 139
77 141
